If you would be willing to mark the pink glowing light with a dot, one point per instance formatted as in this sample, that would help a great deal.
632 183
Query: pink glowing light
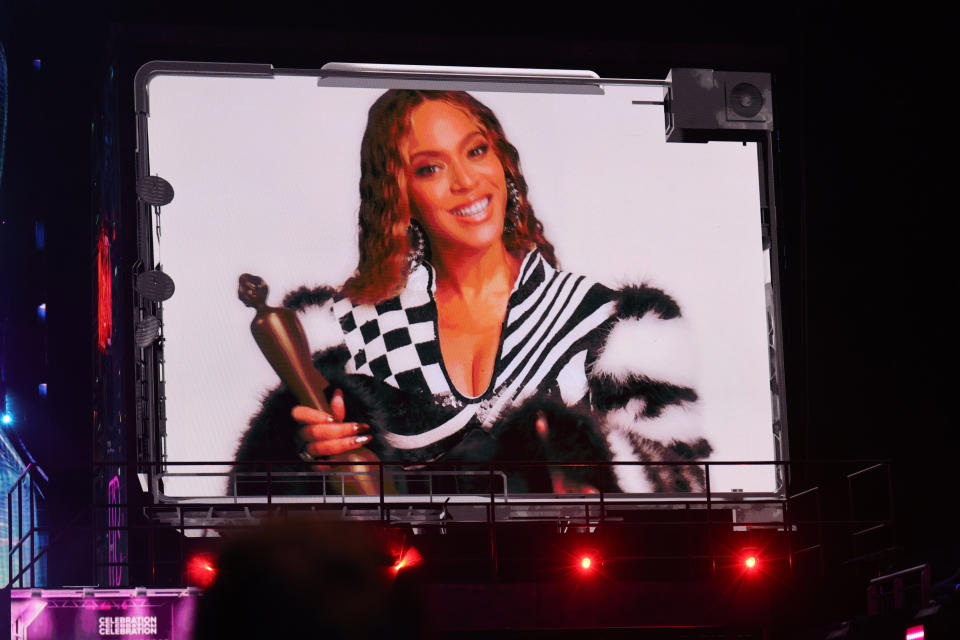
915 633
30 613
114 522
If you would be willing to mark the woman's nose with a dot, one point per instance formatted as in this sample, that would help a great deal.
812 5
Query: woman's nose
463 177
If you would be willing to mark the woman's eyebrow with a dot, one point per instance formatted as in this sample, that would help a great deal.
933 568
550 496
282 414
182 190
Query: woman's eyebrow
467 139
425 153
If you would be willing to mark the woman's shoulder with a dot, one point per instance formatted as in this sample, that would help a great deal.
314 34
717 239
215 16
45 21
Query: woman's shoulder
640 331
628 301
384 339
648 349
315 311
303 298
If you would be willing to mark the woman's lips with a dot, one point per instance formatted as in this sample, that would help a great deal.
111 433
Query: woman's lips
473 210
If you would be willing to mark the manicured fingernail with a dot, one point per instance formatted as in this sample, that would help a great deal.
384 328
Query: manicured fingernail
361 439
541 426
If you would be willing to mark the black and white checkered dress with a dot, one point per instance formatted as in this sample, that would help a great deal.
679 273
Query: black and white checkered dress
551 318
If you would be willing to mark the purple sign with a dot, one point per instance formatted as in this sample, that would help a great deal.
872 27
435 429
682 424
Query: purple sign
115 613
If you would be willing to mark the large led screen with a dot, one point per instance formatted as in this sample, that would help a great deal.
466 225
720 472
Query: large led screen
500 275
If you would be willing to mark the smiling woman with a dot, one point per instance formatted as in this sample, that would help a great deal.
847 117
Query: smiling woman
458 194
459 339
427 153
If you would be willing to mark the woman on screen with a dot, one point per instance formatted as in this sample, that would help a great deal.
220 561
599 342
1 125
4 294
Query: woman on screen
459 339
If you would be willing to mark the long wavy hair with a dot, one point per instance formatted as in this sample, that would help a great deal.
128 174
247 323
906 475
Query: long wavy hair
385 205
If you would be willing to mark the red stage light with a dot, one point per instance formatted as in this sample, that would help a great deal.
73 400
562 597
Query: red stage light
585 562
201 571
408 558
749 559
104 292
915 633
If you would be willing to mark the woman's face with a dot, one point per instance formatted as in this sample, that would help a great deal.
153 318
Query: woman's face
454 178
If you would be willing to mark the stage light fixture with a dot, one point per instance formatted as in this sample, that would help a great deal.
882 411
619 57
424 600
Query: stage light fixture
746 100
201 571
7 418
155 285
410 557
586 562
703 104
749 559
146 331
155 190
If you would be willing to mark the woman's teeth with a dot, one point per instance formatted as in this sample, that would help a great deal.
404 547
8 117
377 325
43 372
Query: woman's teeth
474 209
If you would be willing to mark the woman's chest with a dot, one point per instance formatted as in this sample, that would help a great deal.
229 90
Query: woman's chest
469 343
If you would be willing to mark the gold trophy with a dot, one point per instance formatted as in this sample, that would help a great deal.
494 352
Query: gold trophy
280 337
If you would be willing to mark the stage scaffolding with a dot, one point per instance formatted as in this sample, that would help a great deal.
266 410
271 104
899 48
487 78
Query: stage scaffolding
845 518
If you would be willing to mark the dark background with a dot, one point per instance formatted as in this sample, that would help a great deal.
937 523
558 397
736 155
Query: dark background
865 162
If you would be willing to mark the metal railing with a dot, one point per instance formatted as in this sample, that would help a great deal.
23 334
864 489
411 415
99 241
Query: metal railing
879 590
797 518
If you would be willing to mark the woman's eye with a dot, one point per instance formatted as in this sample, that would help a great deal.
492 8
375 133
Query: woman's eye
478 150
427 170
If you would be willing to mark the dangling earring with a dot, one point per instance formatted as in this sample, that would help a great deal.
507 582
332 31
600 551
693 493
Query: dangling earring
418 245
513 206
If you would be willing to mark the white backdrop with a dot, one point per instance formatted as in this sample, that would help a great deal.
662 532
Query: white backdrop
266 172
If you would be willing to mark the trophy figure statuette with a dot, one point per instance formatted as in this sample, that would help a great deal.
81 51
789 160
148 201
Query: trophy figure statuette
278 333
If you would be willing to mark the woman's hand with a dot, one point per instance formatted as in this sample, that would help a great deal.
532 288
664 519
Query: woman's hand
560 482
328 435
